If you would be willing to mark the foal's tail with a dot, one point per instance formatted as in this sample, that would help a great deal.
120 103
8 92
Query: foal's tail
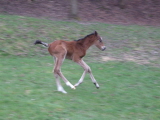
40 42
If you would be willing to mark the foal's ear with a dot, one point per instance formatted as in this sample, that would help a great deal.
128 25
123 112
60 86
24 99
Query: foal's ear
95 32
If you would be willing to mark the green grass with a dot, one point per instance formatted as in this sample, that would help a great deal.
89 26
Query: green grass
127 91
129 84
18 33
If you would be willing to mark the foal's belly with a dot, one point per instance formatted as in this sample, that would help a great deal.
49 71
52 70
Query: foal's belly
69 56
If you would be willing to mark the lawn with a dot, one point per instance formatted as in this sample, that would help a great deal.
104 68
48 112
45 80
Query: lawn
128 72
127 91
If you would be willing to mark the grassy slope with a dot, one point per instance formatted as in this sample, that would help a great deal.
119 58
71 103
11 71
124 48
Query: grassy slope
18 33
128 90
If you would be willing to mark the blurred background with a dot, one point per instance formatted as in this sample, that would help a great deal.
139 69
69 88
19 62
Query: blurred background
142 12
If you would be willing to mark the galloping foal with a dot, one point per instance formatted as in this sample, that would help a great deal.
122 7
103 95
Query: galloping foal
73 50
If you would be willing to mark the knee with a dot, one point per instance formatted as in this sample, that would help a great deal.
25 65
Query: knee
88 69
56 71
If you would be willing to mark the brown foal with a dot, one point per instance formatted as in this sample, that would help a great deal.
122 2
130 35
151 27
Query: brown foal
73 50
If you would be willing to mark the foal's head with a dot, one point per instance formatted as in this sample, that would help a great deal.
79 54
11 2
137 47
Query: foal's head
98 41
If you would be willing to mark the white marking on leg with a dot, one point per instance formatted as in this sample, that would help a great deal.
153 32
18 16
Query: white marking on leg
58 71
92 77
59 86
84 73
81 79
86 69
94 80
69 84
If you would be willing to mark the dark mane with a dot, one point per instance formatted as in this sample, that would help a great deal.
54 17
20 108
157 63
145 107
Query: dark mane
84 37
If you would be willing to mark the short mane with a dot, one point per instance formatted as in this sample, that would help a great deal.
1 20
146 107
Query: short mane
84 37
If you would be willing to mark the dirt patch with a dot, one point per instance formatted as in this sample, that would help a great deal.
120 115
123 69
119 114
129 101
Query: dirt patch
129 58
142 12
106 58
136 59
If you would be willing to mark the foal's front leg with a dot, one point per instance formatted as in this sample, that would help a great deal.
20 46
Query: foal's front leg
86 70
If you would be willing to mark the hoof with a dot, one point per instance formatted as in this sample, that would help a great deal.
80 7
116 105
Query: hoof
62 91
97 86
73 87
69 84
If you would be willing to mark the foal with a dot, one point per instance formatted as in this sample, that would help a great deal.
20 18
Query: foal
73 50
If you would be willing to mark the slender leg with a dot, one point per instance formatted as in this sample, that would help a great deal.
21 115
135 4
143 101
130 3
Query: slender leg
59 86
91 76
57 70
81 79
86 69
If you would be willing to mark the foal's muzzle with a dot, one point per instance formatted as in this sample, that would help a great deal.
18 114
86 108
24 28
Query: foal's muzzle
103 48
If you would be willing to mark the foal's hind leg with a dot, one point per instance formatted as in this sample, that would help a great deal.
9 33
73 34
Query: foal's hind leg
86 69
57 69
59 86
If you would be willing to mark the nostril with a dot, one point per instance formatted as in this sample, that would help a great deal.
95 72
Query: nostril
103 48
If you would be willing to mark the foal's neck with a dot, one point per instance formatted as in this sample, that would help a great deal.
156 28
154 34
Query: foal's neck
87 42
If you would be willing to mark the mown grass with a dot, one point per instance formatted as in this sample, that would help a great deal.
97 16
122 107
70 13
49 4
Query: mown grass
127 91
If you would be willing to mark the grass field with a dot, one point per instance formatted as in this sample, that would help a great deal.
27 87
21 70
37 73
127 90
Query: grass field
129 88
127 91
132 43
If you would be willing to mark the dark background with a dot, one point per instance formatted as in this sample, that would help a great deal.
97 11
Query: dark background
141 12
